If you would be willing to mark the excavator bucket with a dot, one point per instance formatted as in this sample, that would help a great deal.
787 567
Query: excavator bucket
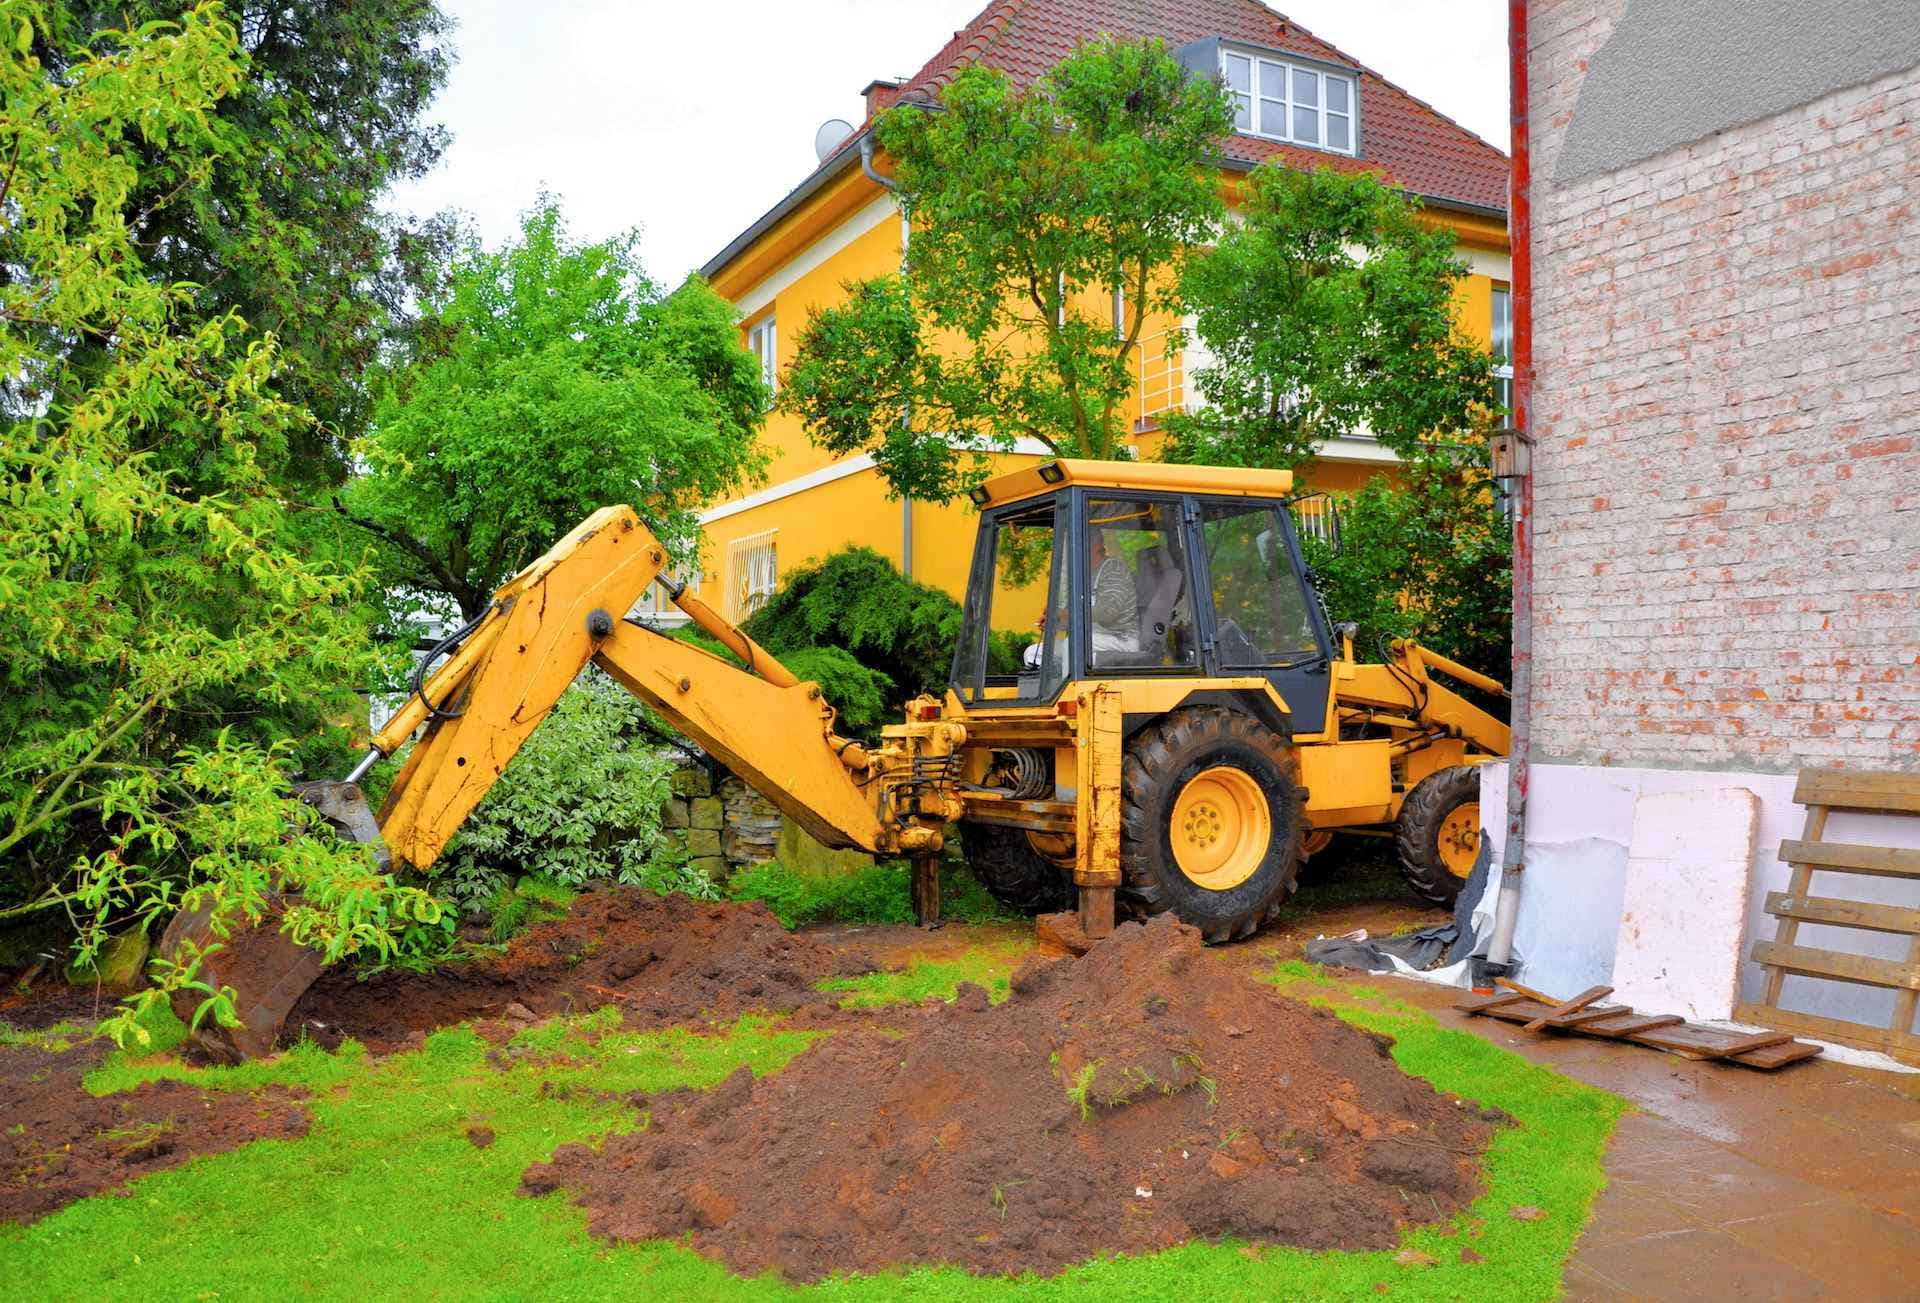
267 970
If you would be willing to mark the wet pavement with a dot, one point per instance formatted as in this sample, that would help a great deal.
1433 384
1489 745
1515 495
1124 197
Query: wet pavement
1725 1182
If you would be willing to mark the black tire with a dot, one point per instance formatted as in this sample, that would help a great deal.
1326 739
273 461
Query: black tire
1416 837
1160 761
1013 873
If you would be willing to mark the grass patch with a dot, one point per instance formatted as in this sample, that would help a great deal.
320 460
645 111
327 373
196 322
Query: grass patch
386 1196
874 895
60 1036
990 966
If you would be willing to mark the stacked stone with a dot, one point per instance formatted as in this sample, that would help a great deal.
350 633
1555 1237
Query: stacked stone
752 826
693 818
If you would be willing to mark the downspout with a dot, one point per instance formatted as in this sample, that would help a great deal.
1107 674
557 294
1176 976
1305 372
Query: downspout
886 183
1520 239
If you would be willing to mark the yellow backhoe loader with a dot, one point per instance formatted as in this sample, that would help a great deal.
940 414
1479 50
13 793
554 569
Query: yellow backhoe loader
1180 728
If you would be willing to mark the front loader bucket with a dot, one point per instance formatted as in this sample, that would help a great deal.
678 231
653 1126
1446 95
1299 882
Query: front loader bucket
267 971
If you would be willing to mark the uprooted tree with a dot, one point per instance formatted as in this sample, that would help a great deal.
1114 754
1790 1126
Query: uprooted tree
161 632
1035 214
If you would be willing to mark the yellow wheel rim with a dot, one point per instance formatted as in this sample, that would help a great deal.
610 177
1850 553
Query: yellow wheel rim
1221 828
1460 838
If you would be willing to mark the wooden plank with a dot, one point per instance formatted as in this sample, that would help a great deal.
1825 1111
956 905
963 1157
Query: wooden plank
1744 1044
1787 930
1903 1046
1840 857
1776 1056
1905 1003
1483 1003
1579 1002
1586 1016
1833 963
1637 1023
1854 789
1844 913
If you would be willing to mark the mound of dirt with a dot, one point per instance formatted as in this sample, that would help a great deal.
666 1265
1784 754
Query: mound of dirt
1133 1099
663 959
59 1144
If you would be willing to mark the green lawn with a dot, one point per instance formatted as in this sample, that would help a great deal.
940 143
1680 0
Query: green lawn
386 1195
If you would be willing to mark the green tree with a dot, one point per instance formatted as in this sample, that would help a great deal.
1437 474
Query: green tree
1429 558
282 225
1094 182
551 379
1328 311
157 624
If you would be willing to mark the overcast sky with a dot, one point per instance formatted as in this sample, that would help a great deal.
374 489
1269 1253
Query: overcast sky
691 120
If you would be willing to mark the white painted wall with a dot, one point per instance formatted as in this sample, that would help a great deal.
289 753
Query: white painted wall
1581 833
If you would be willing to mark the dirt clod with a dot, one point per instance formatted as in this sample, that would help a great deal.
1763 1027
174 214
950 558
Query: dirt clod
662 959
1129 1100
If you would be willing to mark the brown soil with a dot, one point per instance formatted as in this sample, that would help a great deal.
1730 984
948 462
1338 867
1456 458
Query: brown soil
1213 1108
662 959
59 1144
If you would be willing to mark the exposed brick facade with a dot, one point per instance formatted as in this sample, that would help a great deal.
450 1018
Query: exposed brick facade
1727 409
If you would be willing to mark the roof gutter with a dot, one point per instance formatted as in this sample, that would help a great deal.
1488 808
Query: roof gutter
814 182
1519 768
886 183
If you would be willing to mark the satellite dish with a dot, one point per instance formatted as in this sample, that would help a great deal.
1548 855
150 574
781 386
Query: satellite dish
832 134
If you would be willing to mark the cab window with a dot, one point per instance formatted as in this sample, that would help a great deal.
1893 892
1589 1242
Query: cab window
1139 597
1013 645
1260 604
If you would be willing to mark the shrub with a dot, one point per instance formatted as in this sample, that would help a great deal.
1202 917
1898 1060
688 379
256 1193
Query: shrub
857 601
1430 560
580 801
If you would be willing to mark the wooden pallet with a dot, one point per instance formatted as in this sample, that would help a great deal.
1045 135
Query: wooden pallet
1822 791
1584 1015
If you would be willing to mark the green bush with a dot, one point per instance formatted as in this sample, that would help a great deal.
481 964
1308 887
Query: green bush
878 894
857 601
1430 560
580 801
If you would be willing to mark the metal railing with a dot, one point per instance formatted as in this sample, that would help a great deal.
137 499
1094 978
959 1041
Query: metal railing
1162 378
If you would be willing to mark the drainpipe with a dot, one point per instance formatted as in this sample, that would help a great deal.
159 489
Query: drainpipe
886 183
1520 237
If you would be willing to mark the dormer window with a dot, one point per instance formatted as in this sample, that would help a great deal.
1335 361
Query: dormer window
1282 99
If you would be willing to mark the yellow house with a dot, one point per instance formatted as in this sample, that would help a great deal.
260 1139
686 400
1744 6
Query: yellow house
1299 100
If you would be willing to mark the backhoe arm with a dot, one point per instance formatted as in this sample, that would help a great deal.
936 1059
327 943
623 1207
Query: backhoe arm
565 610
1403 685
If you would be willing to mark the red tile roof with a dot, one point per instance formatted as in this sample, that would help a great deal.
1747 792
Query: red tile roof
1414 144
1411 143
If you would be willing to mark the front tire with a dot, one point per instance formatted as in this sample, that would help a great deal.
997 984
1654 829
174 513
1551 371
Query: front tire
1210 821
1013 873
1438 834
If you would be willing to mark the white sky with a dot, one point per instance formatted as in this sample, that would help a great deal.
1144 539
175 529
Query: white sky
691 120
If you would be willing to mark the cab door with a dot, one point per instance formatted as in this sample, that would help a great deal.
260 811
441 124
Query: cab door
1258 614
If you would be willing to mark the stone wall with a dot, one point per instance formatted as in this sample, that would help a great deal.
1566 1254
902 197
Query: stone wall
1726 401
727 827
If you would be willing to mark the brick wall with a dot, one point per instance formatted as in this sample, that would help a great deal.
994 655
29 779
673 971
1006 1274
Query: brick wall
1727 409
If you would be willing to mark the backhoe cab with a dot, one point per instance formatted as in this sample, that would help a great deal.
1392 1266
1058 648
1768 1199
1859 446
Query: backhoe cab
1147 712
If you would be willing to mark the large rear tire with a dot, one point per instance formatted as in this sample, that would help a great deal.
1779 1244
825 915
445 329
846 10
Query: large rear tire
1210 821
1438 835
1013 873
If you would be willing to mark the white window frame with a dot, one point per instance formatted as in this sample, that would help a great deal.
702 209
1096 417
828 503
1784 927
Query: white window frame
755 563
1255 100
763 341
1501 308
